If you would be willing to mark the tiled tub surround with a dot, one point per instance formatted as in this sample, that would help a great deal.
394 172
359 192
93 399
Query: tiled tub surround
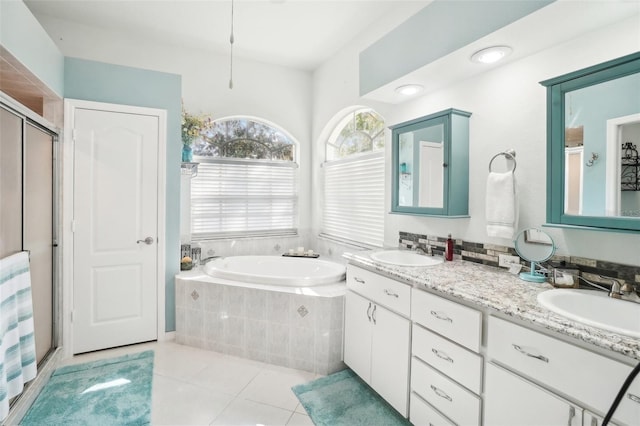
487 254
265 323
499 291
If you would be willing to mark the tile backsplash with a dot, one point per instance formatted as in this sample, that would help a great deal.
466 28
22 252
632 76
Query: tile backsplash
487 254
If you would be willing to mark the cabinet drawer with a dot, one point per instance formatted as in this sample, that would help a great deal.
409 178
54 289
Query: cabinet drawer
460 364
382 290
588 377
456 322
451 399
422 414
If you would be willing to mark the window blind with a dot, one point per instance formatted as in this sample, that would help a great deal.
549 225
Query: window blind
354 199
243 198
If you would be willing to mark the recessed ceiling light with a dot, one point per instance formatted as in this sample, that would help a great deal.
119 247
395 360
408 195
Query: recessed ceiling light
409 89
491 54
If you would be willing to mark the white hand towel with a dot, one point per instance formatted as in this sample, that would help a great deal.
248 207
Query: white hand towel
502 205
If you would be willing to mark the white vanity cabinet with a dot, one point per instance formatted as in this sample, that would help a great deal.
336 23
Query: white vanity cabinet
511 400
377 334
446 367
589 379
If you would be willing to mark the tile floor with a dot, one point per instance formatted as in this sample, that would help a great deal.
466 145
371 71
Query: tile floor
193 386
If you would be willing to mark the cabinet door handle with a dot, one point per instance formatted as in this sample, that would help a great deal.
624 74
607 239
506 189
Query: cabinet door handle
572 414
594 421
441 316
441 393
522 351
634 398
369 312
358 280
390 293
442 355
373 314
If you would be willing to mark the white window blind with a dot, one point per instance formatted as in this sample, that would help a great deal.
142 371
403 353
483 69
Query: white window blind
243 198
354 199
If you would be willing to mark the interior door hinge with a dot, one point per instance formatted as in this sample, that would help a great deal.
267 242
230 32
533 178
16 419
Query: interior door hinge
73 226
74 134
72 316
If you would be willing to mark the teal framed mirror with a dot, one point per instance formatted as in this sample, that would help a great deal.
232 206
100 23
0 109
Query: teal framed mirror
593 135
430 165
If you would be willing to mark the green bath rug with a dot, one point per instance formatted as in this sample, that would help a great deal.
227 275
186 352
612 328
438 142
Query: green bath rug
114 391
343 399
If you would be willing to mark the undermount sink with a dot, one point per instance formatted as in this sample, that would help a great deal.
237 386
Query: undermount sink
594 308
405 258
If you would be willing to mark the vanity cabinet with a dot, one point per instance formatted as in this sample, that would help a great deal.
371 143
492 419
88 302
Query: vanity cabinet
446 367
590 379
511 400
377 334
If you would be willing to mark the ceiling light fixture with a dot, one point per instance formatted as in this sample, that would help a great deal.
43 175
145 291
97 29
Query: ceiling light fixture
409 89
231 51
491 54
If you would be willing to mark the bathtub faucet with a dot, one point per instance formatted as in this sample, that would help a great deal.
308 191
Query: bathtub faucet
206 259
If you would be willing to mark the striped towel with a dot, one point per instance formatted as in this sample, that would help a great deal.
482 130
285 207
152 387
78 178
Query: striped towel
17 344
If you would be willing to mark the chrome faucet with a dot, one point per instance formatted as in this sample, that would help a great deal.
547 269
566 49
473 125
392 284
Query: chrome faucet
624 291
423 251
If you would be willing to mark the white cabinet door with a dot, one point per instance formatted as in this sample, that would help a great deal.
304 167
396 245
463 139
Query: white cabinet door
510 400
357 335
390 357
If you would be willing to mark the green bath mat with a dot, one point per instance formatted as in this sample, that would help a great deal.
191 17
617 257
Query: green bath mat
343 399
114 391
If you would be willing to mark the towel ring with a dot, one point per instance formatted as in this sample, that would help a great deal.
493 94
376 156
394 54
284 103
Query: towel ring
509 154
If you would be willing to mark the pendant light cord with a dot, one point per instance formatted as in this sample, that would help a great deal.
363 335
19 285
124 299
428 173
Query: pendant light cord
231 53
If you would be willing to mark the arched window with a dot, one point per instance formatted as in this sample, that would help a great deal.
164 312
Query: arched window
247 181
354 179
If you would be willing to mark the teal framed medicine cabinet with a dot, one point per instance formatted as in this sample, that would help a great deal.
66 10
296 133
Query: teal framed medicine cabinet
593 135
430 165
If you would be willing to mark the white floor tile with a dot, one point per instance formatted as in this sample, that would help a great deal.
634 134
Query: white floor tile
244 412
274 388
226 375
298 419
178 403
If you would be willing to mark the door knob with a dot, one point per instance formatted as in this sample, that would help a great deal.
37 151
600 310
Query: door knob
148 241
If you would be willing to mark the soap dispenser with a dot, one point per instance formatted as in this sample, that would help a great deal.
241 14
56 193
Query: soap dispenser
448 249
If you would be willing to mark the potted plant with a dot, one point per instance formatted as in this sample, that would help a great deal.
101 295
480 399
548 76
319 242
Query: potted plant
192 127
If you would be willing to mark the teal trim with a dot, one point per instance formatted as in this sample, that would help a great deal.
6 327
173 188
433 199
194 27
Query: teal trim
557 88
455 125
589 228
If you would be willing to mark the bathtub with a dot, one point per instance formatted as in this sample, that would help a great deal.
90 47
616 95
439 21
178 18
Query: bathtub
276 270
280 310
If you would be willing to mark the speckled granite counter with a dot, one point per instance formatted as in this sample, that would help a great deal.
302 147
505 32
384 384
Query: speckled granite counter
498 290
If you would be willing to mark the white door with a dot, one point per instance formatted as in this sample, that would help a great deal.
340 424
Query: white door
115 217
431 174
390 357
357 334
510 400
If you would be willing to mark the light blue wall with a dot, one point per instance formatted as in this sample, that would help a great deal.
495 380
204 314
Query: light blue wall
591 107
23 36
440 28
100 82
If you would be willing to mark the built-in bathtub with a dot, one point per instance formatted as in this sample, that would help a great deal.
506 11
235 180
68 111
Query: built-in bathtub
281 310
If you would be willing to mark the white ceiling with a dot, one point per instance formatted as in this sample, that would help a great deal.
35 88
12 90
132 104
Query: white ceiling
294 33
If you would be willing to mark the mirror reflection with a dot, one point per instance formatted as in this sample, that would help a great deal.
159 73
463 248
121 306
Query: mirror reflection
421 165
602 135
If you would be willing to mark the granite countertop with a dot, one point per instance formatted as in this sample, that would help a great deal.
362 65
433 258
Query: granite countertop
496 289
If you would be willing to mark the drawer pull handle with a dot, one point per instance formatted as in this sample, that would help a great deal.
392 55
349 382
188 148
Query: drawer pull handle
572 414
441 393
522 351
594 421
442 355
634 398
358 280
373 314
441 316
369 312
390 293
